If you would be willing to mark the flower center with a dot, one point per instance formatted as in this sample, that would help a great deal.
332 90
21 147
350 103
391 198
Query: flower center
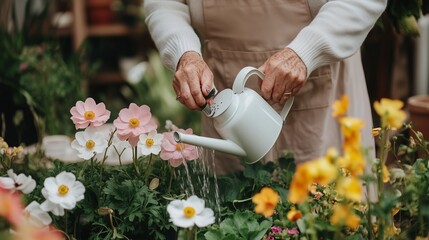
89 115
63 190
149 142
189 212
134 122
180 146
90 144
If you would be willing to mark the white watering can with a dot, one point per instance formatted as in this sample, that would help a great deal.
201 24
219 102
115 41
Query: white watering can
248 124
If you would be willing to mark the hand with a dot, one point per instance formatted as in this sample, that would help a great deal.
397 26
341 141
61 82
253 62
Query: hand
192 81
285 74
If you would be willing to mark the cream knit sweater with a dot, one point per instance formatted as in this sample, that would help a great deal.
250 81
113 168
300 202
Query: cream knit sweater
337 31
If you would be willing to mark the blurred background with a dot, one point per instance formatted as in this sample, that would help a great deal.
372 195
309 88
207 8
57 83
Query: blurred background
54 53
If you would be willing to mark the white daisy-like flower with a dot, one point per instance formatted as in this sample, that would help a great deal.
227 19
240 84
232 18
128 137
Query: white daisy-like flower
150 143
21 182
61 192
190 212
36 216
90 142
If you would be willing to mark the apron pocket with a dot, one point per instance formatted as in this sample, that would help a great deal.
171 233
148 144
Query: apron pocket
315 93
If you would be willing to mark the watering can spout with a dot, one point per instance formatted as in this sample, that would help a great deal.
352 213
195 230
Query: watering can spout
226 146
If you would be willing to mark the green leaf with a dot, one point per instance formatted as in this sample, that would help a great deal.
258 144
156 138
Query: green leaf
227 226
214 234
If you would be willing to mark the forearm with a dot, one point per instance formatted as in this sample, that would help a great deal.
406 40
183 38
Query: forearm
337 31
169 24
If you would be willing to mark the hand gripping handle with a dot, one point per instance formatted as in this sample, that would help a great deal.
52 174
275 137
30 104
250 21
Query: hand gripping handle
240 82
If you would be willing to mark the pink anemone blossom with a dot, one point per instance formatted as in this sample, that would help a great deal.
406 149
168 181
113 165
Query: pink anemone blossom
134 121
89 113
11 207
176 152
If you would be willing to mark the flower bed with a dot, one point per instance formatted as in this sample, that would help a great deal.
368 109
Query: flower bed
133 182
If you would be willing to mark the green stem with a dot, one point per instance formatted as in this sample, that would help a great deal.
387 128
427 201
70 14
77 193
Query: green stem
171 178
148 169
310 216
369 214
135 160
383 157
66 227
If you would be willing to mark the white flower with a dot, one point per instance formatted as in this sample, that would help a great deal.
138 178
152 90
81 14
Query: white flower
150 143
36 216
61 192
169 125
18 182
90 142
190 212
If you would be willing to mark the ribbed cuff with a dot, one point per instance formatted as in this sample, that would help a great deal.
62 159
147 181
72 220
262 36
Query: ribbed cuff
311 47
178 44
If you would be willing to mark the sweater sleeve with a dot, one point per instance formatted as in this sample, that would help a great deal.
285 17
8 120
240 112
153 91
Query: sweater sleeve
169 24
337 31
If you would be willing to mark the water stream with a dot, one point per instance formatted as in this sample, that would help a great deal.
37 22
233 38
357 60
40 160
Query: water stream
198 177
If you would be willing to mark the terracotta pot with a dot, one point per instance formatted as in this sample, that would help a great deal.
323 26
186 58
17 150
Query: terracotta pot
99 12
418 107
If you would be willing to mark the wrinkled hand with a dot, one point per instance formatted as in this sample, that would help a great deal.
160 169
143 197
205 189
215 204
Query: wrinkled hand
192 81
285 74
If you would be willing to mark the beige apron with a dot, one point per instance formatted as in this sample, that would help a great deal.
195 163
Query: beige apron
243 33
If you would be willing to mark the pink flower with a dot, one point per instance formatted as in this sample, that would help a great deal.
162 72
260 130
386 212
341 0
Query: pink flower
175 152
134 121
293 231
11 207
276 229
89 113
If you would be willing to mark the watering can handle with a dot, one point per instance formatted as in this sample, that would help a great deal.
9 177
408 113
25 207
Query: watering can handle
241 79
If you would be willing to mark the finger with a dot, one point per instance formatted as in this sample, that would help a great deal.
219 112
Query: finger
261 69
206 82
267 85
279 88
194 84
186 97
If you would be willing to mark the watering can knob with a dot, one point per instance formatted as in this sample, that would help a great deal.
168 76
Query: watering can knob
207 108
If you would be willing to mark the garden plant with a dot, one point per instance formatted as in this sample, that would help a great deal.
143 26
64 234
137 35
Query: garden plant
133 181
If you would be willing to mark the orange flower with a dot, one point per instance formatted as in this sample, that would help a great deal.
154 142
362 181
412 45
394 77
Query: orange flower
293 215
344 215
340 107
350 188
266 201
390 112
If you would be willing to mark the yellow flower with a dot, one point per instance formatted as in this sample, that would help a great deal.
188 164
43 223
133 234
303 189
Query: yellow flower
350 188
320 171
340 107
344 215
325 171
353 161
293 215
266 201
386 173
390 112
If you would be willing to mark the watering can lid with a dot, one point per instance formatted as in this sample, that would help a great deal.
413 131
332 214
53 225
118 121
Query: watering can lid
221 102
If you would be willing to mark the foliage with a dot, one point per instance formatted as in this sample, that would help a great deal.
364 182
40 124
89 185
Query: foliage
36 78
404 15
128 201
